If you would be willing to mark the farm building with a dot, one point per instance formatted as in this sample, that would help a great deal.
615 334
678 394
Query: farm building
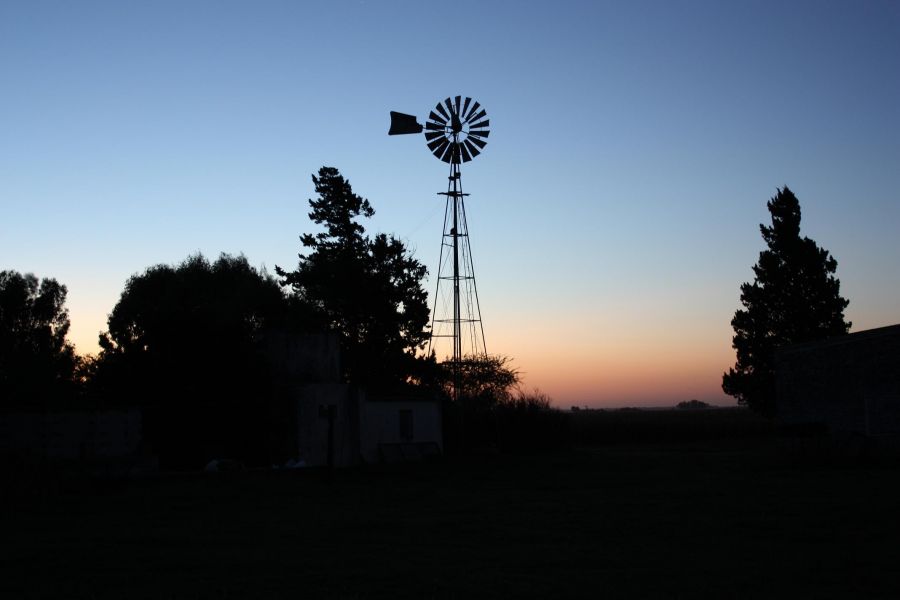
843 385
362 427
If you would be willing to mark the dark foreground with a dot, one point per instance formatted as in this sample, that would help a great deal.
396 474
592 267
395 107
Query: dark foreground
718 519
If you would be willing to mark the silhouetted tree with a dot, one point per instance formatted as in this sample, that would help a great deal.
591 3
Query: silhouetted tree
368 290
487 380
493 410
793 298
692 405
197 305
184 342
37 364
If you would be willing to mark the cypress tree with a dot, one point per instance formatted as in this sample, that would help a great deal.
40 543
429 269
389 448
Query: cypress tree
794 298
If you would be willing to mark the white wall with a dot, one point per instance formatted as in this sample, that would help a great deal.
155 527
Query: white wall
380 424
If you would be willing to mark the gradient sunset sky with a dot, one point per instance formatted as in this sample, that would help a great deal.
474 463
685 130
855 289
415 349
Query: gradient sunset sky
614 213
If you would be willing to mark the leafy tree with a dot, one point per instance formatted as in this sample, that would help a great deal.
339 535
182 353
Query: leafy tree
493 410
692 405
485 381
184 342
37 364
794 298
368 290
195 307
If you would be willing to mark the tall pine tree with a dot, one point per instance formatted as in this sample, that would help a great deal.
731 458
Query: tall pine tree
794 298
368 290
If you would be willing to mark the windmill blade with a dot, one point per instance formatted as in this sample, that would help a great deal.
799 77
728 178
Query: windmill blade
466 157
475 107
449 103
435 126
437 146
448 152
433 135
471 147
437 118
458 101
475 116
443 112
483 133
472 138
465 105
441 152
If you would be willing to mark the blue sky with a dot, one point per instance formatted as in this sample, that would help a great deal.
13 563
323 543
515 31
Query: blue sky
614 213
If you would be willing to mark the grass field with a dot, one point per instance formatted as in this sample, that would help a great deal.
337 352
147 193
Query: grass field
732 517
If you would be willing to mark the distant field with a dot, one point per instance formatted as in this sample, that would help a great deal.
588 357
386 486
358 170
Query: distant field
714 516
603 427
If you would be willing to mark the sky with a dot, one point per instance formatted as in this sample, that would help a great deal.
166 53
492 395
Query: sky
613 215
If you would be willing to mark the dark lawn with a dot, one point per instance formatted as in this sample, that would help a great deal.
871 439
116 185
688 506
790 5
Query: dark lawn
710 519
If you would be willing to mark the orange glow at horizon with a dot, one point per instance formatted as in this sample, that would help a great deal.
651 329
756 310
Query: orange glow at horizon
589 361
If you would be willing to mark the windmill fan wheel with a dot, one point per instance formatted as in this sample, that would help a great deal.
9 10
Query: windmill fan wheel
457 130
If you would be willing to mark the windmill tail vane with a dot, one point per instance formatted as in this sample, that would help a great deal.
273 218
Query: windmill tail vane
401 123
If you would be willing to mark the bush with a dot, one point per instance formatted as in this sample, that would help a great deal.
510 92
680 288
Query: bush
528 422
521 422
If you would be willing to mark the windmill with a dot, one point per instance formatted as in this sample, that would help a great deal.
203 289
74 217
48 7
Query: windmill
456 131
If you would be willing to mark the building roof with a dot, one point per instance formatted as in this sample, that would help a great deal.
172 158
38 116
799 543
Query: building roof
841 340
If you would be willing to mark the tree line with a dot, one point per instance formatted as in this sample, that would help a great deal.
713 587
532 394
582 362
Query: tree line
184 341
205 317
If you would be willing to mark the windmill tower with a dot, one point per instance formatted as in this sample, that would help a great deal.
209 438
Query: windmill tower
456 132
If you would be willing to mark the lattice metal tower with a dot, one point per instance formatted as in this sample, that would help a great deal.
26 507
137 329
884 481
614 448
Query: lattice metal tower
456 132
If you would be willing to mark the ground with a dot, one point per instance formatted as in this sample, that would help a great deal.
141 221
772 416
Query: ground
719 518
